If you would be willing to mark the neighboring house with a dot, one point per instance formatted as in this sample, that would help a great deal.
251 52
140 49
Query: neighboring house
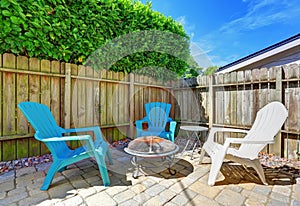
284 52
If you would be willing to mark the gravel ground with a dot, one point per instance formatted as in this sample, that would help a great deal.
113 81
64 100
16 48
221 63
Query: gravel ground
268 160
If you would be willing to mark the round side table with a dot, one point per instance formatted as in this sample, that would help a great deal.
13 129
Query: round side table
193 132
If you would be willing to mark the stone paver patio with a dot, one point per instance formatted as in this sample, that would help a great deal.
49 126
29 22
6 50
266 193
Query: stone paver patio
80 184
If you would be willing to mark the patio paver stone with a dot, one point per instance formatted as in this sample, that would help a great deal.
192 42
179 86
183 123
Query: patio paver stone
81 184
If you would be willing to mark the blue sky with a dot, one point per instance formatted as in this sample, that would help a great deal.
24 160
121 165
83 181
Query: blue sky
223 31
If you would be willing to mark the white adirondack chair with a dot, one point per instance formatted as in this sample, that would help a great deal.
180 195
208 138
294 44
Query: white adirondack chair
267 124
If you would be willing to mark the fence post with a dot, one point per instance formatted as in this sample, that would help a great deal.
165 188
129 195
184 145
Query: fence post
279 93
277 146
67 100
131 105
210 101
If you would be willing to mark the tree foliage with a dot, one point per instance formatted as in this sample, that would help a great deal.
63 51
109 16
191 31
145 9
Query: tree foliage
71 31
210 70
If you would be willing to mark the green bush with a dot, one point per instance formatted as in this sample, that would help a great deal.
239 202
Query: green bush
73 30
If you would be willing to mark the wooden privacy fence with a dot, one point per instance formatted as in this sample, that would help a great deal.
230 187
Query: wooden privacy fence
78 96
233 99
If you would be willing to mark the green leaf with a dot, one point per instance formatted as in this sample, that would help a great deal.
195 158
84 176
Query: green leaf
36 25
5 3
29 34
15 20
52 35
14 2
6 13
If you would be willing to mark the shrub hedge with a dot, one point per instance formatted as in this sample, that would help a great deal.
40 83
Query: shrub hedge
73 30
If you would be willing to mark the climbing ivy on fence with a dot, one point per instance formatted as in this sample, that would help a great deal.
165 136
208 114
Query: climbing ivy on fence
71 31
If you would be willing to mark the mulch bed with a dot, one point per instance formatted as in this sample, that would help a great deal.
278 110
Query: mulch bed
273 161
270 162
24 162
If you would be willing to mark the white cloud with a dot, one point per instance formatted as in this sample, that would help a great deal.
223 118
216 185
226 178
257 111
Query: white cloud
262 13
189 27
181 20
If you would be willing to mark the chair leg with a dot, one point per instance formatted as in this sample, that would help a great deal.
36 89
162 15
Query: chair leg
258 168
172 138
102 168
201 155
255 164
50 174
216 164
109 157
62 169
217 159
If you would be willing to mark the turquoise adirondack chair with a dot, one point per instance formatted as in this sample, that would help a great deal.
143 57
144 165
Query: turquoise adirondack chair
157 117
48 132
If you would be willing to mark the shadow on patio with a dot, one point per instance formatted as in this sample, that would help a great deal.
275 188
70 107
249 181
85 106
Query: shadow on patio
81 184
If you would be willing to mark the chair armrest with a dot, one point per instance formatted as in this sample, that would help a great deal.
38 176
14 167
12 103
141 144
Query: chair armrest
173 126
95 129
169 119
224 129
145 119
243 141
214 130
83 129
139 123
67 138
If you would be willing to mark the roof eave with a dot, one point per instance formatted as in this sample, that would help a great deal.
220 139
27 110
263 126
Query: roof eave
270 52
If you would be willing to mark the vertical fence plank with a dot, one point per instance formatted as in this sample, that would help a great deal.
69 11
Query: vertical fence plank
22 96
127 105
71 107
109 107
68 92
34 96
89 111
205 101
131 106
96 89
240 98
146 93
218 104
180 112
102 110
71 100
103 104
81 89
45 93
115 106
247 97
63 113
227 100
55 93
120 90
274 91
233 101
9 102
137 99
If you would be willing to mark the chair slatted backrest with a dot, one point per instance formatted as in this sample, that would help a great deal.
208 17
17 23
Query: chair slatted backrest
158 114
267 124
45 126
